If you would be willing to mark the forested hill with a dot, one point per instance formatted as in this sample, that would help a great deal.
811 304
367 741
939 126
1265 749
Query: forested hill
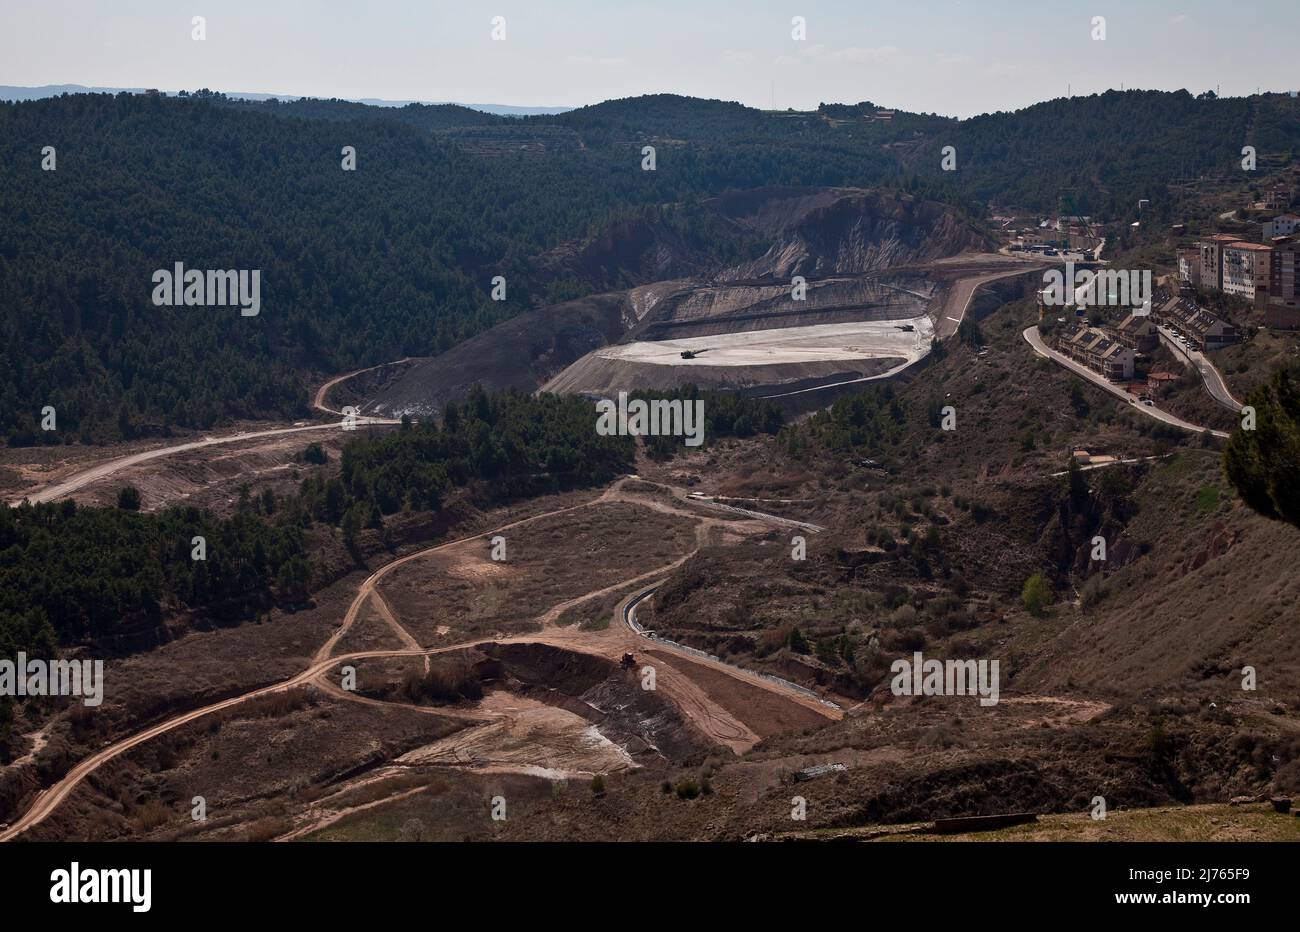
1109 150
1106 150
422 116
396 258
393 259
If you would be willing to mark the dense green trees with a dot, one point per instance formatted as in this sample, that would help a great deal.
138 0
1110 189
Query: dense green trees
356 267
70 574
396 257
508 444
726 414
860 422
1264 463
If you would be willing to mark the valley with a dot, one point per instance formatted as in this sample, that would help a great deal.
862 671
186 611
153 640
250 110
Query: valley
367 569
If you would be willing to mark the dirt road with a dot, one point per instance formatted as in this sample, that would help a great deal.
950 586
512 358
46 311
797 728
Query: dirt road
320 402
102 470
712 718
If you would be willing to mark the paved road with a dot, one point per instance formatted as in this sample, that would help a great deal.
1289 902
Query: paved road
964 290
1035 340
1210 375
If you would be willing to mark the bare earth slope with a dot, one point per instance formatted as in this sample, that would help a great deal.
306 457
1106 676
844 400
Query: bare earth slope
819 233
520 353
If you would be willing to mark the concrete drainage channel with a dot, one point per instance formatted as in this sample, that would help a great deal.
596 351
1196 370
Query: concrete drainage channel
629 616
700 498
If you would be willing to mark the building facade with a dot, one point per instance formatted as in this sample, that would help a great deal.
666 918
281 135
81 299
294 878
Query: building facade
1137 333
1099 351
1281 225
1283 310
1278 198
1211 255
1245 271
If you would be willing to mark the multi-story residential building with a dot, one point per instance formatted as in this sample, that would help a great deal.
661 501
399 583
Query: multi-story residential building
1189 265
1100 352
1245 271
1283 310
1211 254
1281 225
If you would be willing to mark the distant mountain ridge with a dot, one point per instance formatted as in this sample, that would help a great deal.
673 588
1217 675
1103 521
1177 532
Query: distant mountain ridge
18 92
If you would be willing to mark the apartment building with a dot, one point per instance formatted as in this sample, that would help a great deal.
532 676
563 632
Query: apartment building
1283 309
1211 258
1244 271
1099 351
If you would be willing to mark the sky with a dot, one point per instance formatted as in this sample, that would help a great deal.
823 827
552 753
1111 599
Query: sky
943 56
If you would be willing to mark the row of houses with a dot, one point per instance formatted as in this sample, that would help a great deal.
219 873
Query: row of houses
1112 349
1262 273
1100 350
1199 327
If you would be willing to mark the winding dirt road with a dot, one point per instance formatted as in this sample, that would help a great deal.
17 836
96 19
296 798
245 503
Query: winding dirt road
321 401
80 480
712 719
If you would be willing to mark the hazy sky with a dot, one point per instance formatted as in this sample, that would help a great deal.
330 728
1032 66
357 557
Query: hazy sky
945 56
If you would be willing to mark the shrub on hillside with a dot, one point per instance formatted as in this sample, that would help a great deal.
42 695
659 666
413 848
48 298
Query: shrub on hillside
1036 595
687 788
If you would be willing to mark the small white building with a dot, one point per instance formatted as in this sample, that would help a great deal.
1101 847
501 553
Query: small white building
1281 225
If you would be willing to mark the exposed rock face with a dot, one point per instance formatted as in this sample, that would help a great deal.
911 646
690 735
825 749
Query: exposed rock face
634 252
846 231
